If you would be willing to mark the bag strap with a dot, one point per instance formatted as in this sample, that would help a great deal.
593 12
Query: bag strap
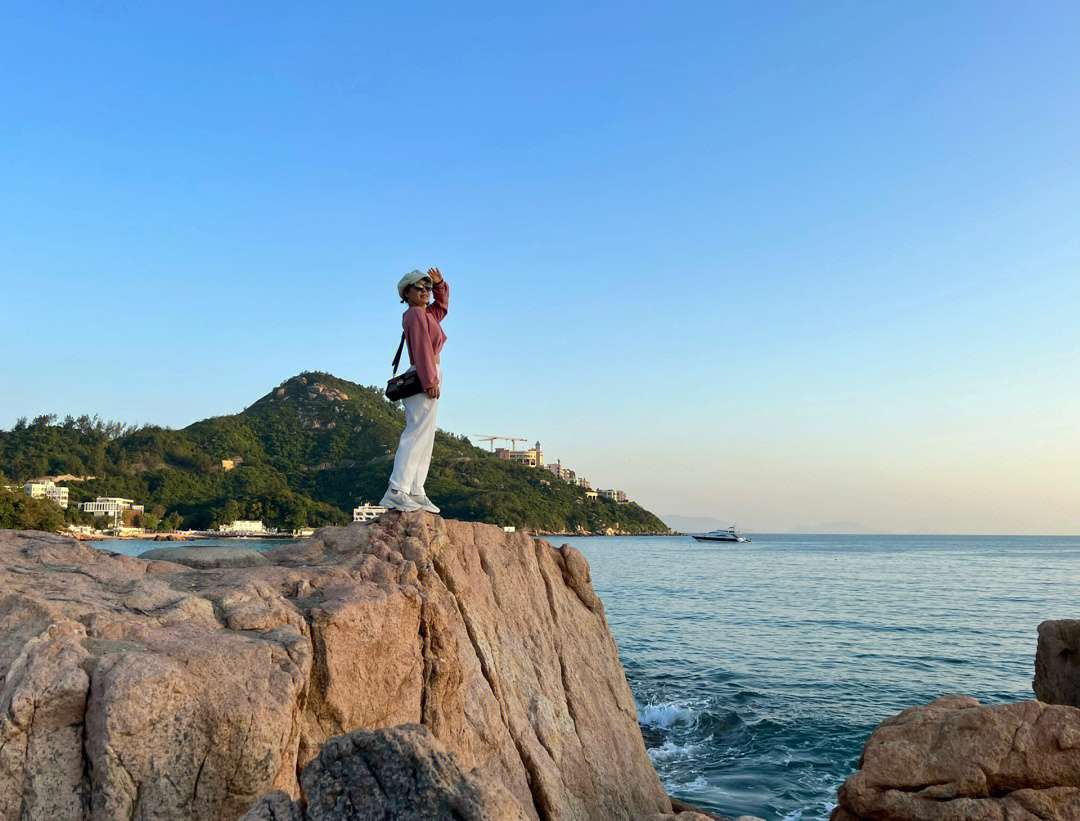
397 356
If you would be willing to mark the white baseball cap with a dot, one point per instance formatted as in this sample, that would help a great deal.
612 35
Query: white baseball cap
410 278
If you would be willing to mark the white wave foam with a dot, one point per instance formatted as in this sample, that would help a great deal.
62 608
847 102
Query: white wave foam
670 751
666 714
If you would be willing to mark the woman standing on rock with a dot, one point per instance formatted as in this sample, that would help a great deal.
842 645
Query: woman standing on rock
425 337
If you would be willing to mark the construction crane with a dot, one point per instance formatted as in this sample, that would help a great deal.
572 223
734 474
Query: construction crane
512 439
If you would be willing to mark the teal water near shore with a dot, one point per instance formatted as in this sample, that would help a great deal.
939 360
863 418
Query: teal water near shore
760 669
133 547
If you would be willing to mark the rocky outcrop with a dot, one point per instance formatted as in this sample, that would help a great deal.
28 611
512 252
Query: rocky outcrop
138 689
954 760
402 773
1057 663
204 558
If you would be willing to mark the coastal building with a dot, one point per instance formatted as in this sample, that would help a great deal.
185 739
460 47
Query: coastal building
613 495
367 513
561 471
47 490
583 483
532 458
110 506
244 527
591 494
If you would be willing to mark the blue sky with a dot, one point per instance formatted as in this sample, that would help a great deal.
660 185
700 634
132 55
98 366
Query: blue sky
780 264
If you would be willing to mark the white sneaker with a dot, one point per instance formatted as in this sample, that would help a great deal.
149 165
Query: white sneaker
424 502
398 500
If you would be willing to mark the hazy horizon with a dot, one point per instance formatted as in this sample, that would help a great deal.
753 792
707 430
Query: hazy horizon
780 266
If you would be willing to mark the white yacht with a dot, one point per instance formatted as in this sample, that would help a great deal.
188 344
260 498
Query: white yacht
722 535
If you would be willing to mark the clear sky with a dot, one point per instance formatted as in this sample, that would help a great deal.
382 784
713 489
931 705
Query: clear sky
779 264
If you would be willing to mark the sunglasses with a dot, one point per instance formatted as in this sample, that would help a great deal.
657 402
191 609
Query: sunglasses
423 285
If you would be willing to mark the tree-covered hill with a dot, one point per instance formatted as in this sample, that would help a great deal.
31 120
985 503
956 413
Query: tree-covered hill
303 455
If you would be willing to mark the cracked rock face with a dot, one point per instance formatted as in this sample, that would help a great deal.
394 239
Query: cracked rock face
138 689
954 760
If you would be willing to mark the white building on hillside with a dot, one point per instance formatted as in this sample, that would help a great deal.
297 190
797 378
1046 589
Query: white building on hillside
110 506
613 495
367 513
47 490
244 527
561 471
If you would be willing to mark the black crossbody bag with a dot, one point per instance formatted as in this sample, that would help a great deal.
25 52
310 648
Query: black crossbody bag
406 385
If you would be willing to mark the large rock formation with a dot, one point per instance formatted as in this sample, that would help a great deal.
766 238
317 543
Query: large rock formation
1057 663
954 760
139 689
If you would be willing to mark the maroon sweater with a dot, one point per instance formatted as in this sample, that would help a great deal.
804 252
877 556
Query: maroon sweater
424 335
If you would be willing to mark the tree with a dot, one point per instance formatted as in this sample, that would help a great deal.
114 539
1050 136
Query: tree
227 514
19 511
297 520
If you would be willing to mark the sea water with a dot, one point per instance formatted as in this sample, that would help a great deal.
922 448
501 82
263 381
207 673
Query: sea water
760 669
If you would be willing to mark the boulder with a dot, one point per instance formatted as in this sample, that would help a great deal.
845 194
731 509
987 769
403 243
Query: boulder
204 558
954 760
1057 663
680 807
402 773
135 689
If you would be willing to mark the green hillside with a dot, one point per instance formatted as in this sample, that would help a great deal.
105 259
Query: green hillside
306 454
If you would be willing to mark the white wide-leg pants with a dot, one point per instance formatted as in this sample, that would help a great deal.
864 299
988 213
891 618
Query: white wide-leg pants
413 455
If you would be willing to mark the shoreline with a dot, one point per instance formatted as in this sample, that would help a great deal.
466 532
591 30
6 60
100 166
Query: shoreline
200 535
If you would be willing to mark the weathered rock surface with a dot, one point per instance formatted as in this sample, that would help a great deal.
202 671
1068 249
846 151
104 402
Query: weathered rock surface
402 773
954 760
205 558
680 808
1057 663
147 689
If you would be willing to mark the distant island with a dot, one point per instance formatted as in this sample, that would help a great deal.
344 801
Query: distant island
304 455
